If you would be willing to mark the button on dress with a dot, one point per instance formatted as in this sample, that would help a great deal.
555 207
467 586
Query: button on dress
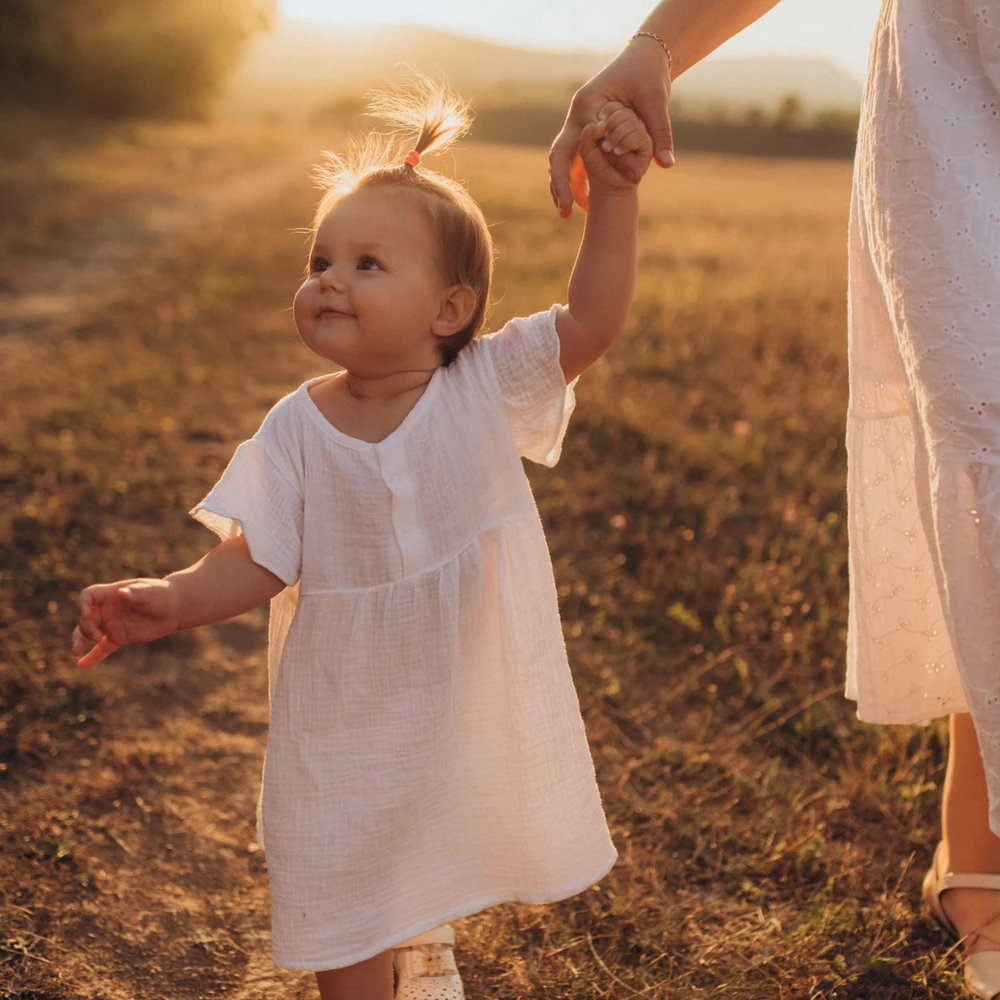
426 756
924 419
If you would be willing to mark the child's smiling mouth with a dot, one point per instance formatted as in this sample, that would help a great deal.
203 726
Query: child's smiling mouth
329 313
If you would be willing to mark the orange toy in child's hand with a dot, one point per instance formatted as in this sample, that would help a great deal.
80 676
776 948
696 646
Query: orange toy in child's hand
579 182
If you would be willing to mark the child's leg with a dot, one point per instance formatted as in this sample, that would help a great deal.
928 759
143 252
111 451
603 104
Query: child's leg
368 980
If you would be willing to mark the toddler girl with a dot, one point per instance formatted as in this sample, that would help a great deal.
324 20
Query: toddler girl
426 755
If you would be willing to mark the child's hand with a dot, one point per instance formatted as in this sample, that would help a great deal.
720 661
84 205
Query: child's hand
113 615
603 144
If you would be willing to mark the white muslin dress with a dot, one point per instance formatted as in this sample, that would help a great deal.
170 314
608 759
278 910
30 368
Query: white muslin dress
924 417
426 756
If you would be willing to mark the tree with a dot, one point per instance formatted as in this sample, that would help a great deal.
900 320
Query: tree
789 113
155 57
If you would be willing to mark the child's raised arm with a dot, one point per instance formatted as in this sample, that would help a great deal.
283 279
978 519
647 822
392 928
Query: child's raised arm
224 583
603 280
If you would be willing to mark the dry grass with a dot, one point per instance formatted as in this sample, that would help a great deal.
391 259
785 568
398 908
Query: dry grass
770 845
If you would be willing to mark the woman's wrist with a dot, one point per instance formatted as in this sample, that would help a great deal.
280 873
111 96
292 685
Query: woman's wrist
646 37
692 29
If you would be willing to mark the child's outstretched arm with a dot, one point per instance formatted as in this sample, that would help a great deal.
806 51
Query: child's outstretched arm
224 583
603 280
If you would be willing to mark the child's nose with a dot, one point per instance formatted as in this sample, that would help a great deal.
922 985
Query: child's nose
333 277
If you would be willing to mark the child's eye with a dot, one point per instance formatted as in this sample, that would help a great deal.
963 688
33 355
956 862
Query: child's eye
318 264
367 263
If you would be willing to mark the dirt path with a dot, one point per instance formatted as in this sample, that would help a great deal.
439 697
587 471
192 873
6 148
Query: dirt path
128 860
70 281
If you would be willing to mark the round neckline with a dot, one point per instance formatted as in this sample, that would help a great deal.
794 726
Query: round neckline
360 444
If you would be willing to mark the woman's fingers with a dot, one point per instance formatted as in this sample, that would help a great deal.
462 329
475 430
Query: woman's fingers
561 156
651 106
98 654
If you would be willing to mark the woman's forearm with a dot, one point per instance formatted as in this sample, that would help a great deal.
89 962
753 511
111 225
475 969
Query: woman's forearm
694 28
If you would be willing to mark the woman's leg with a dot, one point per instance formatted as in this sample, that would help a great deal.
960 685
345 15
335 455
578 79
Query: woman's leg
968 843
368 980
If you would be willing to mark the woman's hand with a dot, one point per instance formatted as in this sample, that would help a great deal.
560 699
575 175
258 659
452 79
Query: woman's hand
618 136
113 615
638 78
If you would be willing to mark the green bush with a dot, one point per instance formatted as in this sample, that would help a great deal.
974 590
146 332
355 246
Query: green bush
157 57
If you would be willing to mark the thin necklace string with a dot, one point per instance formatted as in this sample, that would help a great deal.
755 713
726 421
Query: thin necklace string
409 371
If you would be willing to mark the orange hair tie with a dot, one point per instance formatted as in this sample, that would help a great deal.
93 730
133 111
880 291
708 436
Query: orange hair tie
412 158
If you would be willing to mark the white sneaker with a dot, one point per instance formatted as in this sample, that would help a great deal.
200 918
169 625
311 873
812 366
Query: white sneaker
425 967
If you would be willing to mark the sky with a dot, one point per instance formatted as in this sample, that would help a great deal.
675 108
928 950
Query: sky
839 30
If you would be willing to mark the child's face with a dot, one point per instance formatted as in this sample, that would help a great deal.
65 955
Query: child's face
374 289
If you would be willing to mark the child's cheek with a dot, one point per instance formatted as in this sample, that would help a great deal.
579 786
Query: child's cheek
302 310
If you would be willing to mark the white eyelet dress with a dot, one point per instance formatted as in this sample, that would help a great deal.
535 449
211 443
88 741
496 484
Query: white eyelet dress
426 755
924 417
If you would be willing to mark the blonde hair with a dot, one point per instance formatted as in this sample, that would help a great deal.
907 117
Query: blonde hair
437 117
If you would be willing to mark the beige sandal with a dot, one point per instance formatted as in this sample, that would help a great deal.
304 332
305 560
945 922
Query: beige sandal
982 970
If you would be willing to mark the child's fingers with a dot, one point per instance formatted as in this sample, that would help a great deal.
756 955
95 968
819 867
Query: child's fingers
79 642
137 595
89 630
150 600
591 136
609 109
619 126
84 633
92 598
621 114
637 141
98 654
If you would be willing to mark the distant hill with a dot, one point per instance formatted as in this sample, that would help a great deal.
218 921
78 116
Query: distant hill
301 68
762 83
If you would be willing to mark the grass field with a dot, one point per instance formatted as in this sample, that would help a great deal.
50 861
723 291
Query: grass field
771 846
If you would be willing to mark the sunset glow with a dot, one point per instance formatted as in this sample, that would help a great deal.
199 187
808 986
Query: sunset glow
839 30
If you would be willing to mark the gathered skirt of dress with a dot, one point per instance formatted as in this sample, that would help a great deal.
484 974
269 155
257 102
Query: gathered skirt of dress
923 429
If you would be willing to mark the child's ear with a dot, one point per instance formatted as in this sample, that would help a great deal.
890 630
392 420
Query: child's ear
457 307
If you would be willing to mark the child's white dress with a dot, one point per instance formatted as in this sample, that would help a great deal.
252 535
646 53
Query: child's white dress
426 755
924 421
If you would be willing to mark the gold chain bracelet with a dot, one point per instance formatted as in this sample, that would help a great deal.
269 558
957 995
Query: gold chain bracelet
661 43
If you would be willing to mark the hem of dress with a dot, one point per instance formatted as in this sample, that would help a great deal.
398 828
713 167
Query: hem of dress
458 913
888 718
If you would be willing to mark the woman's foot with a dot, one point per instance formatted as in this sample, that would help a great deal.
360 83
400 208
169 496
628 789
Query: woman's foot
975 914
425 967
968 905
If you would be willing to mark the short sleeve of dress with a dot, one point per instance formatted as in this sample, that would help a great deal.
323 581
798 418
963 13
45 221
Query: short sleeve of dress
525 358
258 496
